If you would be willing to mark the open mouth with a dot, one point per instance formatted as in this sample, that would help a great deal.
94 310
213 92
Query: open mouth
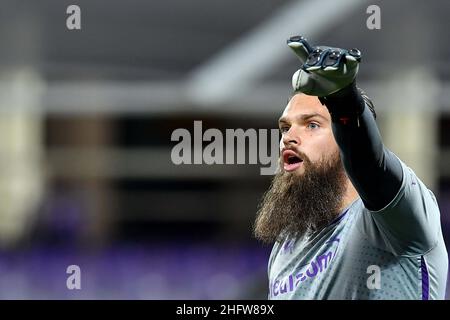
291 160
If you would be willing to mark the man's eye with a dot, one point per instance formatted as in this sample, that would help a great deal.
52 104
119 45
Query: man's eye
284 129
313 125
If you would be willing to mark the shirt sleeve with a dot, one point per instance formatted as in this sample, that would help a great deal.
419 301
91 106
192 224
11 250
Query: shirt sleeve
402 214
374 170
410 224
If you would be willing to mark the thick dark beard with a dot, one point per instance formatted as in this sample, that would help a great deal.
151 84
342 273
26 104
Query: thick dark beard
295 205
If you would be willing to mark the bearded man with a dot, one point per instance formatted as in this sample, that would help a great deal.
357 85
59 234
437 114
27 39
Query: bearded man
348 219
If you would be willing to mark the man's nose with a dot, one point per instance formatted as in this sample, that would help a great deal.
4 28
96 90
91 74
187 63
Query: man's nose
290 138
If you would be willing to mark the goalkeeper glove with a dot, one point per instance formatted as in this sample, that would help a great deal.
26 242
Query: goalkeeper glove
324 70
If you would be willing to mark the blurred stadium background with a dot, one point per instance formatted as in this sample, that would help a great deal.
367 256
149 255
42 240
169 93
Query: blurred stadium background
86 119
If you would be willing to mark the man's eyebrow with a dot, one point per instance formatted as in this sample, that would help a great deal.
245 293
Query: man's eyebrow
311 115
303 117
282 120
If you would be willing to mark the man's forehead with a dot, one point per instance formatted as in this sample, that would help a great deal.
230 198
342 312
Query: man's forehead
304 104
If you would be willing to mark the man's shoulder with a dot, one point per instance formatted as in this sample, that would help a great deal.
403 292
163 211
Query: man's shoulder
410 223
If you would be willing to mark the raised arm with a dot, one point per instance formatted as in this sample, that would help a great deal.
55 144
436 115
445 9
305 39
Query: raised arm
330 74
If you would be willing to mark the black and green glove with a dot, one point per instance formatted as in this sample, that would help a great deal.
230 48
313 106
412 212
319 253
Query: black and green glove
324 70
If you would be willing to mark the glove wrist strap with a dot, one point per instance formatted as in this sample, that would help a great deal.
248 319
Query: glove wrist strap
346 105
